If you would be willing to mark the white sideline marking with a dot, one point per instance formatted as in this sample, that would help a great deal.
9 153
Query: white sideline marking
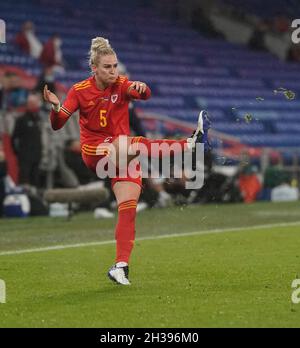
277 213
80 245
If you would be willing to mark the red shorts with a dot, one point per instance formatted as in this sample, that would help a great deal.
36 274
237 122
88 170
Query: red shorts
93 153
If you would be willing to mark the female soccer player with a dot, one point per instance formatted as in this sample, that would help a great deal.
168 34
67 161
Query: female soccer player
102 100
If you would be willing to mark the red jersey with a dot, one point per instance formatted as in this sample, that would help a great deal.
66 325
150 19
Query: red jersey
103 113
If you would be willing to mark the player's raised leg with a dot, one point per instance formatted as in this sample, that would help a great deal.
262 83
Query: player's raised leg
200 135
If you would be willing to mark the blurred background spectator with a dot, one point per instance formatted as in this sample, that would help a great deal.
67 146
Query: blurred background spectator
27 41
274 174
73 159
249 183
26 140
257 39
52 56
3 172
248 179
46 78
134 121
201 22
293 54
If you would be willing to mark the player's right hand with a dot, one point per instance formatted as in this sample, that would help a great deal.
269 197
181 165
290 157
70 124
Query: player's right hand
139 86
50 97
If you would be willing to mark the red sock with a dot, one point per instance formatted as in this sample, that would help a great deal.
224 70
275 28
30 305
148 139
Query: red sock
125 230
148 143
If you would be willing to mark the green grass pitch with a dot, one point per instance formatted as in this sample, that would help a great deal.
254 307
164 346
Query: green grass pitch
219 271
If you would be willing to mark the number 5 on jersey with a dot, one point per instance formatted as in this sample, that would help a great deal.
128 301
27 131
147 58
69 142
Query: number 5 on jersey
103 119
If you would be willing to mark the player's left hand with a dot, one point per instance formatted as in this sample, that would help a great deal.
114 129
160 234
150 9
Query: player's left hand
139 86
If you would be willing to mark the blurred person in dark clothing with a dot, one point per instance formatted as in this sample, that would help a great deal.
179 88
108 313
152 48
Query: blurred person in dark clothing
27 143
202 23
257 39
2 88
73 159
3 172
274 174
46 78
134 121
293 54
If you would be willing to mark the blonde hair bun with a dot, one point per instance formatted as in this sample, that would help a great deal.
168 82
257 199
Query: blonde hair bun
99 47
99 43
